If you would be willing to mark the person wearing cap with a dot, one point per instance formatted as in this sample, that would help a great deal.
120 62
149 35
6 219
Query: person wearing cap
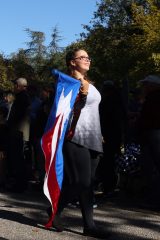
149 129
19 124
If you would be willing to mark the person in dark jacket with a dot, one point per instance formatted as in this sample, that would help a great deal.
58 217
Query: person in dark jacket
19 124
112 115
149 128
3 147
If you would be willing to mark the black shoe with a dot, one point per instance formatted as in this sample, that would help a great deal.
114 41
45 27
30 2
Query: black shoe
96 232
57 223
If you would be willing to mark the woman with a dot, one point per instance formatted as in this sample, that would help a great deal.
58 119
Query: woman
82 145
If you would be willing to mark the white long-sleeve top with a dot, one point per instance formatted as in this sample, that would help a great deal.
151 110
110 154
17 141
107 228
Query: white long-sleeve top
88 131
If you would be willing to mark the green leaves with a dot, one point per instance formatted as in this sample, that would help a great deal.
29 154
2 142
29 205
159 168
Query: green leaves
124 39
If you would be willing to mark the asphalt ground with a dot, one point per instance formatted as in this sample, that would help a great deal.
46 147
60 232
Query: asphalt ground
22 217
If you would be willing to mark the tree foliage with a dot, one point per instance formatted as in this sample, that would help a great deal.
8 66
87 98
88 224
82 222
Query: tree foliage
124 39
54 47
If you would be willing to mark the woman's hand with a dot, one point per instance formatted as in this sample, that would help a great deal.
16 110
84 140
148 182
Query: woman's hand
84 83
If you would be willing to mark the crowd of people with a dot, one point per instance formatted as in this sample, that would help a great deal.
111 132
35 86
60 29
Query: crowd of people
97 138
23 115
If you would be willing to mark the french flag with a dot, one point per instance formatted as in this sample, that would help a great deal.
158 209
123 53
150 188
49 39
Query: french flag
67 89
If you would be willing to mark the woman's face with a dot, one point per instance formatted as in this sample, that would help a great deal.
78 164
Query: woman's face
81 61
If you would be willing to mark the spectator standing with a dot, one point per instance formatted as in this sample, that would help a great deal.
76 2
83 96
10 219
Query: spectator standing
19 129
8 101
3 147
113 118
149 129
40 120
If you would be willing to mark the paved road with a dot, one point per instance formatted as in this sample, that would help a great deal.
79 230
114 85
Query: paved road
22 217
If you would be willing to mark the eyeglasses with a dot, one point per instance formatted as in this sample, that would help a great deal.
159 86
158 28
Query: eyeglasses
83 58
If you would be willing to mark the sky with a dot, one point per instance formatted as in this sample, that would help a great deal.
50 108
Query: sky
43 16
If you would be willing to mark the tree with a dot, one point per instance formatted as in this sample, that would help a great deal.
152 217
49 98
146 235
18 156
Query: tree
37 49
3 73
148 20
21 64
122 38
54 44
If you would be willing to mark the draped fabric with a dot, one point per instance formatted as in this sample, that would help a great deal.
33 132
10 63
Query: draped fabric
52 140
